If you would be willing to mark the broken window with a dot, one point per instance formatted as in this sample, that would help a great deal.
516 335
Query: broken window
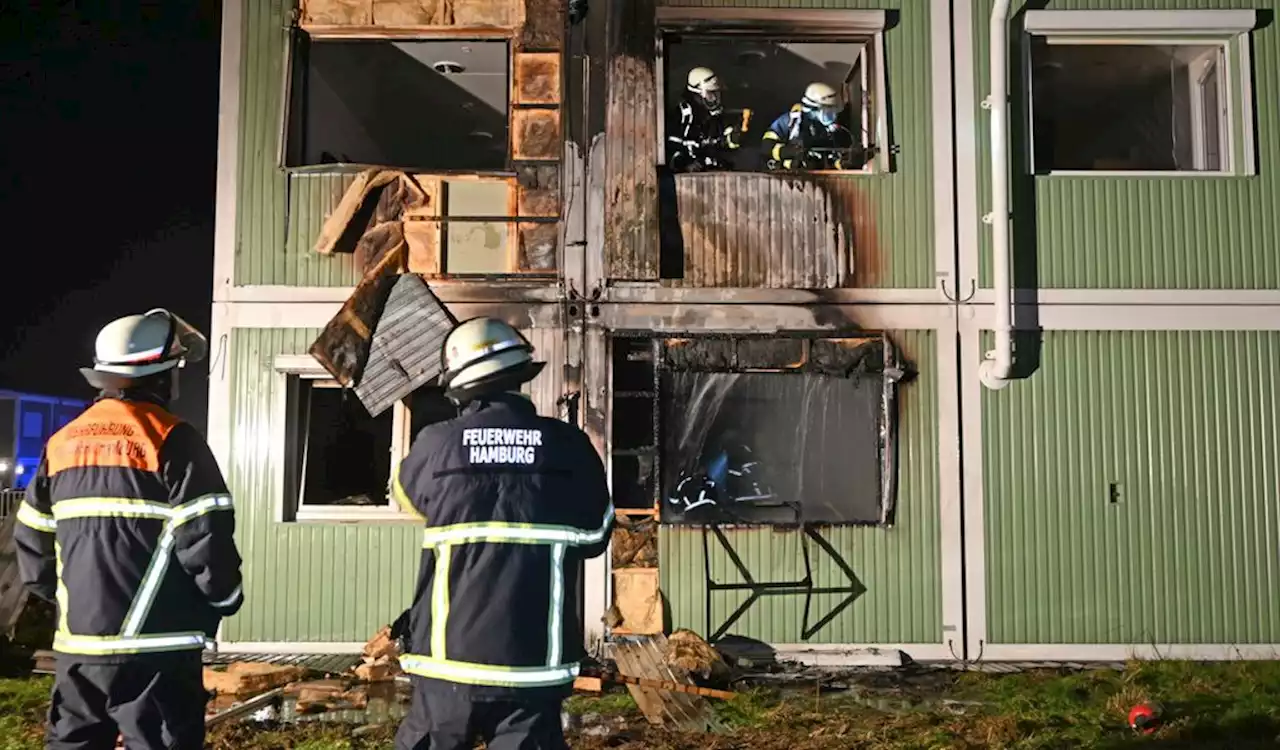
1143 107
338 458
478 238
752 430
416 104
764 61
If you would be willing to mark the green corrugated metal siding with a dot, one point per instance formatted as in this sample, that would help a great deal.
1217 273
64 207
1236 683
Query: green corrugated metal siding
900 566
1153 232
278 216
318 581
303 581
1186 424
903 254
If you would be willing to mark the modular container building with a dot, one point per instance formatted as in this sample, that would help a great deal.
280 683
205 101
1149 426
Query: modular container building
1047 437
27 420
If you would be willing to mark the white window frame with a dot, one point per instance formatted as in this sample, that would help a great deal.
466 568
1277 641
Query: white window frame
1226 30
291 509
864 27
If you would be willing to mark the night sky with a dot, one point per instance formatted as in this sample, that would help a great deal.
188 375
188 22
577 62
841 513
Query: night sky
108 138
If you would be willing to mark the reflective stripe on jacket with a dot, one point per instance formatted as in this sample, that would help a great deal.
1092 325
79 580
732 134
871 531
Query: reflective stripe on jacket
513 503
128 526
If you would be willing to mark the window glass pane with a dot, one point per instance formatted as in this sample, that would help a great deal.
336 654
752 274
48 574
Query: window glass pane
478 247
417 104
1121 107
343 455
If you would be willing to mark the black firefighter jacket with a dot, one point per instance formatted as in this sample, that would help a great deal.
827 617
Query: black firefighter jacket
128 525
513 503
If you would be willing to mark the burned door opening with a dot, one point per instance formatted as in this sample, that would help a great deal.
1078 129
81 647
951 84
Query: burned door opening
789 430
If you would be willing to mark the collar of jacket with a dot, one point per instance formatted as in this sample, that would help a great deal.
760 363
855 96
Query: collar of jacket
134 395
516 401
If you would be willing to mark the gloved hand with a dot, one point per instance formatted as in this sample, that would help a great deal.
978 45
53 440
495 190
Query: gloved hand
791 151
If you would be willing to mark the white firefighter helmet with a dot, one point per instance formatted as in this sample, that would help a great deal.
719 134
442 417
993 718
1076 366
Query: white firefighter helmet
822 101
136 346
485 355
705 83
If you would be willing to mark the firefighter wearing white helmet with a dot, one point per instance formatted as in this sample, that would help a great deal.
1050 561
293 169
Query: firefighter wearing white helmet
701 140
133 497
512 503
796 138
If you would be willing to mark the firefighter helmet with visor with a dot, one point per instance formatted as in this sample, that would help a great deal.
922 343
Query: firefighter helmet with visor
485 355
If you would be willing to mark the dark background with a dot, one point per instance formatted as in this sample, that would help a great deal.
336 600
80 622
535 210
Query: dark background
108 143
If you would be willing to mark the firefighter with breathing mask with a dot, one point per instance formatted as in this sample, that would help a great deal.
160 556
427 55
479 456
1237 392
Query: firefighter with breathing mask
701 140
809 136
512 502
127 526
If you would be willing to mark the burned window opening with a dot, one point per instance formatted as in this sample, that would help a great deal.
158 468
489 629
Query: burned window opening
777 431
634 442
386 102
758 119
722 404
340 455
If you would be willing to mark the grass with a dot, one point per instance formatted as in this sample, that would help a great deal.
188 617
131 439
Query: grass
1229 705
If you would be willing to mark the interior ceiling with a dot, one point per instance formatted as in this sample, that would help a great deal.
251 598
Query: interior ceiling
756 68
484 73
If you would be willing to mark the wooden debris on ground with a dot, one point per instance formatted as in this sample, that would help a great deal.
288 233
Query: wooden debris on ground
242 678
380 659
243 709
595 684
645 658
318 696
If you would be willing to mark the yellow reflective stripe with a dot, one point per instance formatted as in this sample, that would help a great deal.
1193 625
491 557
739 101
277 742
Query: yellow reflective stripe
140 607
110 507
159 565
101 645
769 135
200 506
515 533
402 497
62 597
555 617
777 153
32 518
487 674
440 600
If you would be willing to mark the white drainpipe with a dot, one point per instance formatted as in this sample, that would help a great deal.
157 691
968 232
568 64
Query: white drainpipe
994 370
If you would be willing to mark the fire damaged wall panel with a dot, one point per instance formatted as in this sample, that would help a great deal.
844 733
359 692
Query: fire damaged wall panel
776 431
404 353
763 231
631 120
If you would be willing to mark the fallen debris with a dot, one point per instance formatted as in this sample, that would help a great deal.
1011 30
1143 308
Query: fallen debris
592 684
645 658
13 595
242 678
250 706
635 543
380 659
688 651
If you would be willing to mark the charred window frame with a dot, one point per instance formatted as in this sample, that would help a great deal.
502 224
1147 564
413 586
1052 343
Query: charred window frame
299 376
491 138
862 28
1210 128
641 480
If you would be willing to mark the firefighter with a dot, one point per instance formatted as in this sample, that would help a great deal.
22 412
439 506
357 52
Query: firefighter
701 140
512 503
127 526
807 136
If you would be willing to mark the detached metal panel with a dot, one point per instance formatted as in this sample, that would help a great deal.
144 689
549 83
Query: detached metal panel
1131 491
1177 232
899 566
308 581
